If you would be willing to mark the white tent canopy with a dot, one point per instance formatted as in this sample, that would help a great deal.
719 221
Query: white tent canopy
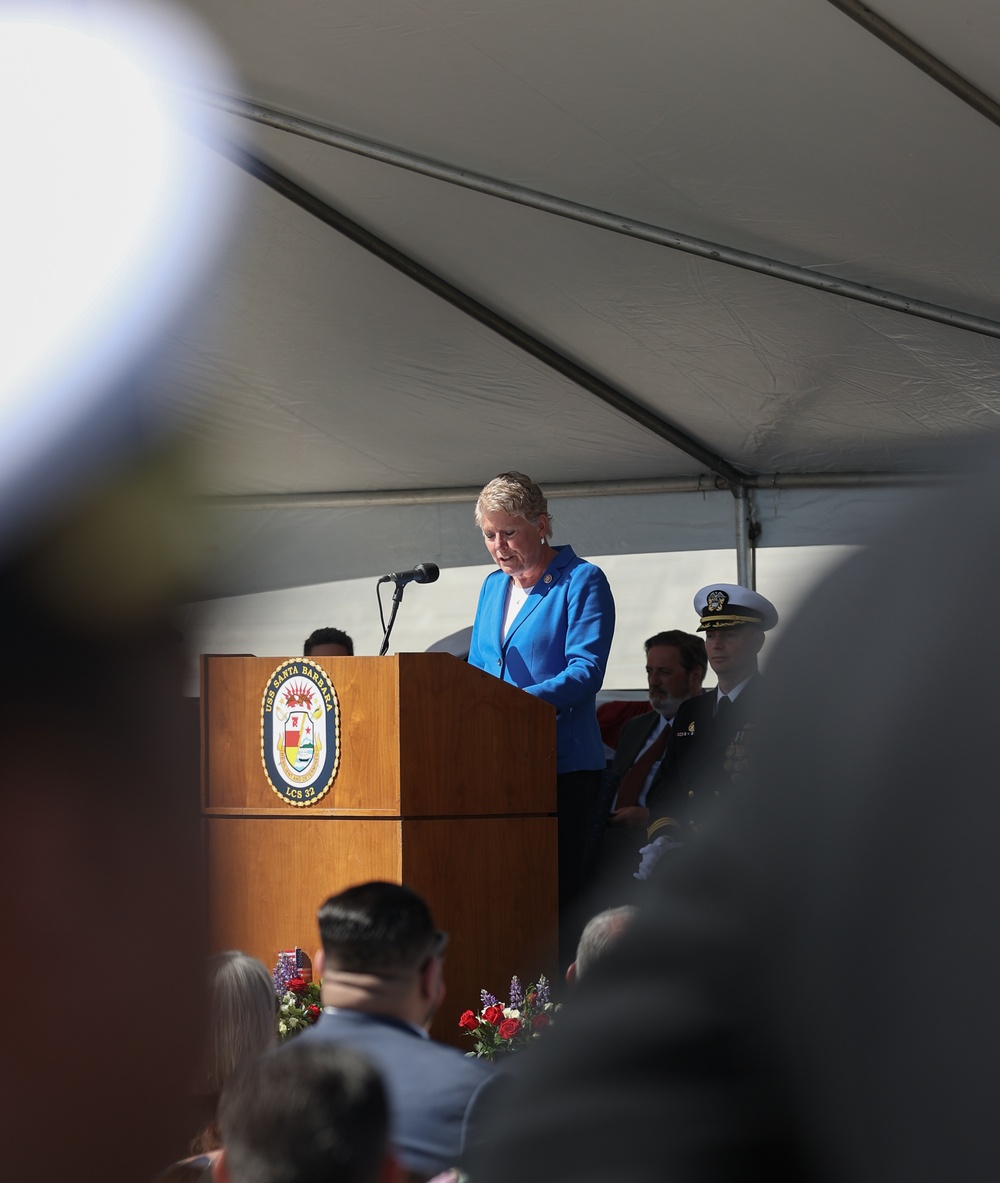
355 411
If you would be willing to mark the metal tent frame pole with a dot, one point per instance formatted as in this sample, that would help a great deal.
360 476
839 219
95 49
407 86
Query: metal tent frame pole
727 475
920 57
355 499
746 575
603 219
330 216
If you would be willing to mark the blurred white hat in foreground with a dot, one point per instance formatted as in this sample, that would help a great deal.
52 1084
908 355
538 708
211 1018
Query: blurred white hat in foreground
110 212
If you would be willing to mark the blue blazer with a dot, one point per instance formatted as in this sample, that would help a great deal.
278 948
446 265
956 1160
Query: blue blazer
557 649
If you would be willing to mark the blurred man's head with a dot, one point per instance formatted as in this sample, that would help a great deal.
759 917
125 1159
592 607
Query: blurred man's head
381 952
308 1113
601 933
328 642
675 668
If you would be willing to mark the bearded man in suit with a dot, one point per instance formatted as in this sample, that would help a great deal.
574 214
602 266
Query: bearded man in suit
675 668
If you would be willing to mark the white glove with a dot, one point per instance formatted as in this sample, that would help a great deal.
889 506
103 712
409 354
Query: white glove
650 855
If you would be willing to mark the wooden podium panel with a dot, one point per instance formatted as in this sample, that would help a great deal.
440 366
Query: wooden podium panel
422 734
446 783
492 884
233 775
268 876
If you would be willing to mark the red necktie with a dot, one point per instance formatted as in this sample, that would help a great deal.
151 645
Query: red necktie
635 778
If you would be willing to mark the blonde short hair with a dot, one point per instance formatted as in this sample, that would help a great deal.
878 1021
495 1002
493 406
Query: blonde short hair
515 494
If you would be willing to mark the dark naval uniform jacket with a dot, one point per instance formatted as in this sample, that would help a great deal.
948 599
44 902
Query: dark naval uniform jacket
705 759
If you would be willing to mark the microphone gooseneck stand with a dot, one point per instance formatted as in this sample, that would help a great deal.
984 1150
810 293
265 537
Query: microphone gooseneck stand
397 596
422 573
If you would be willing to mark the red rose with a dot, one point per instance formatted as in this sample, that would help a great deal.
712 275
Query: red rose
468 1021
540 1022
313 1013
297 985
509 1028
493 1014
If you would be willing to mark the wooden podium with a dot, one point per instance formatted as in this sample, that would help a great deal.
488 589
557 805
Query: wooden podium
446 782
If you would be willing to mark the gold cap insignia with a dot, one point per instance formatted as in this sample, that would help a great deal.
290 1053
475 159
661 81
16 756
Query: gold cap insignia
716 601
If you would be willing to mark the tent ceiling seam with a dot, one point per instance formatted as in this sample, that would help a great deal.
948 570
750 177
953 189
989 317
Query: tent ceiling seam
587 380
602 219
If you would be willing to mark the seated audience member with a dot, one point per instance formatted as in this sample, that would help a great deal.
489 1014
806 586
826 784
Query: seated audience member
243 1010
601 933
612 717
382 975
328 642
712 740
309 1113
675 669
242 1025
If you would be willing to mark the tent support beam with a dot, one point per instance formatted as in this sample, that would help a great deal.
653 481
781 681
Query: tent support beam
654 485
918 56
745 574
602 219
461 300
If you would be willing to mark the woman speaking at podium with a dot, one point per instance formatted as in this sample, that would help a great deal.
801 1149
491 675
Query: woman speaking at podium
544 623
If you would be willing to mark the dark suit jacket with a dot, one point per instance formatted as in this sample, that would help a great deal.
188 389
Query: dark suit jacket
633 736
703 761
810 994
613 851
630 744
431 1087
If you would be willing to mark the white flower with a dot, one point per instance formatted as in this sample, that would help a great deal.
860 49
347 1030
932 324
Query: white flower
510 1013
282 1027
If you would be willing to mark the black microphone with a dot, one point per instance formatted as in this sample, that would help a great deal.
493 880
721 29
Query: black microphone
421 573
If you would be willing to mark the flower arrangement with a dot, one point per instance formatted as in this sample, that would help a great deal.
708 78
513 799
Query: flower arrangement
298 998
298 1007
501 1030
